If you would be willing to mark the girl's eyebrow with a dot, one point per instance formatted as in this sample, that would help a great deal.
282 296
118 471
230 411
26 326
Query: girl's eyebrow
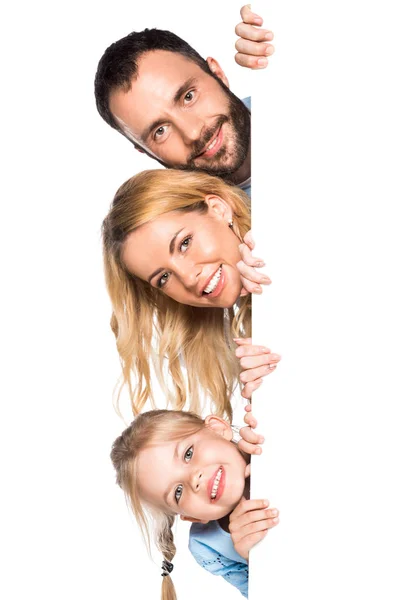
168 490
171 251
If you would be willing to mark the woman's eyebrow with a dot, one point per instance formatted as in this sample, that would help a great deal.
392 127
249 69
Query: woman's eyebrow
171 251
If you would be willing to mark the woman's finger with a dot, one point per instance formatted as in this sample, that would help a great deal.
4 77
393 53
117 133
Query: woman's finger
251 350
252 374
248 258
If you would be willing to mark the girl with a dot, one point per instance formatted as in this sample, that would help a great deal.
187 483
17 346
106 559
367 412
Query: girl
171 245
172 463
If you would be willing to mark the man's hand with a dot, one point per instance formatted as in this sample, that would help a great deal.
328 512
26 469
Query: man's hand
249 523
252 47
256 362
251 279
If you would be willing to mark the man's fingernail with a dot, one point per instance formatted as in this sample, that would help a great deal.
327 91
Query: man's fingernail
266 502
274 512
260 264
258 451
258 289
261 439
265 280
262 62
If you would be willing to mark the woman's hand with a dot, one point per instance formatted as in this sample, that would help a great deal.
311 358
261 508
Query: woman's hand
256 362
252 47
250 440
249 523
251 279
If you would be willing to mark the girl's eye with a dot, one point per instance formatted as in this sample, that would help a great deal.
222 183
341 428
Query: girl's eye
178 493
189 96
188 454
163 280
185 244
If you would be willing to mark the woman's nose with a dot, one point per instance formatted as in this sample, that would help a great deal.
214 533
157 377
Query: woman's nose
189 274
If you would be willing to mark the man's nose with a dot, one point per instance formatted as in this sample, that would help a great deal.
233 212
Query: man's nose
190 127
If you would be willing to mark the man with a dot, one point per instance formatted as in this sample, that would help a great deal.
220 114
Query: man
175 106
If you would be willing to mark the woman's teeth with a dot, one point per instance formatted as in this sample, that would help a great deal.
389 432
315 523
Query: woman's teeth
216 484
214 282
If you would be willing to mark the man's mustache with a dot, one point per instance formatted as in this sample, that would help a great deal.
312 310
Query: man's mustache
200 144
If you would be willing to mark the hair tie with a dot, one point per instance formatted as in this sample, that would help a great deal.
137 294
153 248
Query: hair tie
166 568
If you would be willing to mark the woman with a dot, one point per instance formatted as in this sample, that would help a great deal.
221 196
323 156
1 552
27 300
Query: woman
171 247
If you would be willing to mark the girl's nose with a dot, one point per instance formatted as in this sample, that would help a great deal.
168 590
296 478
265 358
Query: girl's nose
196 480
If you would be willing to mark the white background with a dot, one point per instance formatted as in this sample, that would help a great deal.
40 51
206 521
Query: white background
325 194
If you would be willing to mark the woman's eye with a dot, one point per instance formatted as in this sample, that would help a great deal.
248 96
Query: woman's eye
163 280
178 493
188 454
185 244
189 96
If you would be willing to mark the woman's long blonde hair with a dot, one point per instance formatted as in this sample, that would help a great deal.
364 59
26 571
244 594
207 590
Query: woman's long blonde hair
151 428
199 338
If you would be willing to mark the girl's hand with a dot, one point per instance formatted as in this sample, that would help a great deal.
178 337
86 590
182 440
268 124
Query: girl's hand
251 279
249 523
256 362
250 440
252 47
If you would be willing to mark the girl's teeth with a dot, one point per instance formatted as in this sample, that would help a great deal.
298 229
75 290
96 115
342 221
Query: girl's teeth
216 484
214 282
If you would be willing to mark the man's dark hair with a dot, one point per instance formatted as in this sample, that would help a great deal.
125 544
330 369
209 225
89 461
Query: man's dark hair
119 64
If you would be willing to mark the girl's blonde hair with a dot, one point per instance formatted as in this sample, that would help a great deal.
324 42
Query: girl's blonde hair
200 338
151 428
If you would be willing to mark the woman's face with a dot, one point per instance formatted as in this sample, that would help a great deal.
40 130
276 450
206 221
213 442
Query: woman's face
190 256
201 476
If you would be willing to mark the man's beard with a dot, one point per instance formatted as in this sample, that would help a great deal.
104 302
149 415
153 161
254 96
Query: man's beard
239 118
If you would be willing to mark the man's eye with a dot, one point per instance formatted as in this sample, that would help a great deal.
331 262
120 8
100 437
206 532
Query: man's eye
159 132
163 280
185 244
188 454
189 96
178 493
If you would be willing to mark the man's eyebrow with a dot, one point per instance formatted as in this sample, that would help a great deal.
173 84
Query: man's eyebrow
171 251
158 122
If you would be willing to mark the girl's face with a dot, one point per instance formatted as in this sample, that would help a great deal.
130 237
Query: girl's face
191 257
201 476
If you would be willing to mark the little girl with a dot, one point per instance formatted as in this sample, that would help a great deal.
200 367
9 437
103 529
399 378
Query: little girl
172 463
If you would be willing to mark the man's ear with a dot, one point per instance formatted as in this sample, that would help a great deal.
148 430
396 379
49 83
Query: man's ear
219 426
191 520
215 68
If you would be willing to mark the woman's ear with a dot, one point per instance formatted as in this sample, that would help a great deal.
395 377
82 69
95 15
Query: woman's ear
215 68
219 426
218 207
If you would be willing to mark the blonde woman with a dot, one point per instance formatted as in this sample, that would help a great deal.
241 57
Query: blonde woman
171 246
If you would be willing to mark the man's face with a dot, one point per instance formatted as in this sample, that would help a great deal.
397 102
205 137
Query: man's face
182 116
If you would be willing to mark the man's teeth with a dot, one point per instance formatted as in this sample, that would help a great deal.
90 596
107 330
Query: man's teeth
214 282
211 146
216 484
